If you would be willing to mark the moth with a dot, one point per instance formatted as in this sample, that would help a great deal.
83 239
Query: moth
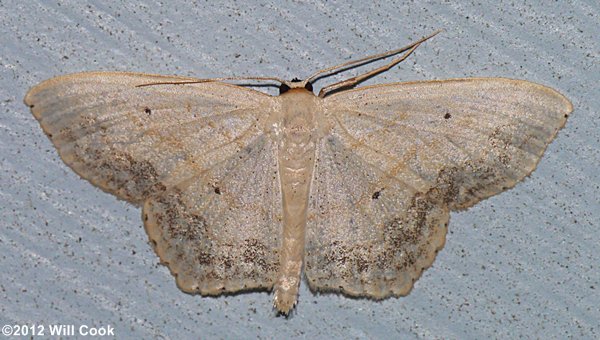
353 187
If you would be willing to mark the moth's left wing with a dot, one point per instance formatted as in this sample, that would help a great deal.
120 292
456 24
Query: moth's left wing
133 140
405 155
195 155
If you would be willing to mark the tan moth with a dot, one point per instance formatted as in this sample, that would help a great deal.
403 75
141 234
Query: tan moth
241 190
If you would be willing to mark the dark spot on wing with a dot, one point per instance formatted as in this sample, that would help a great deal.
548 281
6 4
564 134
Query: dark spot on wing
447 115
148 111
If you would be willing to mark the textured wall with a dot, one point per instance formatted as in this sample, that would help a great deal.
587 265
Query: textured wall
524 263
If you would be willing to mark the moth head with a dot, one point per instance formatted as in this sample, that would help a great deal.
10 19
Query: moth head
295 84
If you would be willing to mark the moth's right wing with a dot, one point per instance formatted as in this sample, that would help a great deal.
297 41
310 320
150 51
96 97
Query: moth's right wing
399 157
195 155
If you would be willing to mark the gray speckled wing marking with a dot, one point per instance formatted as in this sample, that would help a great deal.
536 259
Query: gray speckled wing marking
368 234
222 232
195 156
400 157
